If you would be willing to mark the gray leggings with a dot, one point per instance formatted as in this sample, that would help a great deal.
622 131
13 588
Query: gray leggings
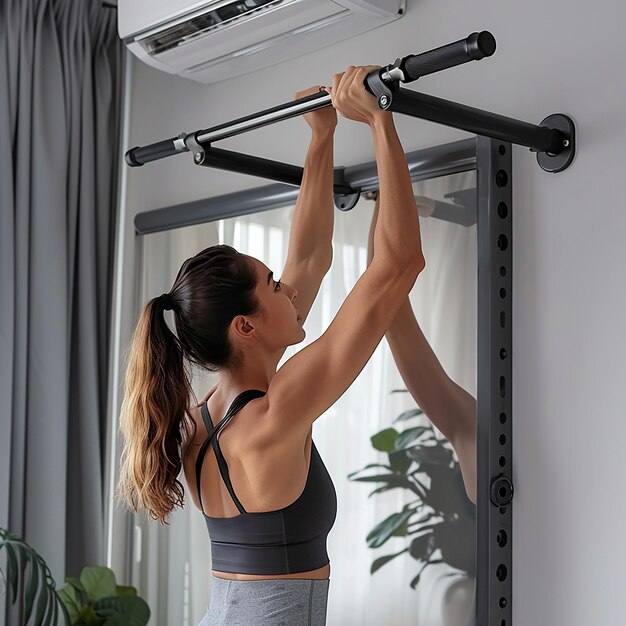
271 602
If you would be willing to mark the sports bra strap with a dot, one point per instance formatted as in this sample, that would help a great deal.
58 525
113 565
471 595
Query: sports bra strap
214 431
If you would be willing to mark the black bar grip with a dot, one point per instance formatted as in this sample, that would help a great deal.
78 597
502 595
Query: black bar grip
475 47
144 154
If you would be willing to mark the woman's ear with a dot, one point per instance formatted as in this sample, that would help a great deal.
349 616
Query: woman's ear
242 327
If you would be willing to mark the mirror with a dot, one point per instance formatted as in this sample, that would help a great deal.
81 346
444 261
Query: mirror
171 564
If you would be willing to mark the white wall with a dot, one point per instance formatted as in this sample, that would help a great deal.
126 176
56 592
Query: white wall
568 302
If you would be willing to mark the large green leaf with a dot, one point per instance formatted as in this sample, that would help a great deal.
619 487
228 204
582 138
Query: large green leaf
98 581
407 415
385 529
123 611
410 434
385 440
379 562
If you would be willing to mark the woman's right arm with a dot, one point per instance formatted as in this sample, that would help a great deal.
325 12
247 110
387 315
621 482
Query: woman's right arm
317 376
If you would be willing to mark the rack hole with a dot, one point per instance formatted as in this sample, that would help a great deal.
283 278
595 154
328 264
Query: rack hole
503 622
503 242
503 293
502 462
502 510
503 210
503 353
502 271
502 178
502 387
502 319
502 418
502 439
502 538
502 150
501 572
502 603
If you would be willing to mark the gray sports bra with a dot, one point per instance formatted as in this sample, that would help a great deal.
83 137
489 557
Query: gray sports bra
286 541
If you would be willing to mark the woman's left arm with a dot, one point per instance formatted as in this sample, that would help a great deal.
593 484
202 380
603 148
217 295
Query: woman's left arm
447 405
310 241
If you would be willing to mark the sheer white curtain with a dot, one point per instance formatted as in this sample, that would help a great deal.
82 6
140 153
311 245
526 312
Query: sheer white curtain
173 566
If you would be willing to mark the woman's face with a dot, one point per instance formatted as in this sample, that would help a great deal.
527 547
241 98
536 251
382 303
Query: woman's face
281 326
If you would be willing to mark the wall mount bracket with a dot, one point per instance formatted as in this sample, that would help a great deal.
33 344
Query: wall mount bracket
558 162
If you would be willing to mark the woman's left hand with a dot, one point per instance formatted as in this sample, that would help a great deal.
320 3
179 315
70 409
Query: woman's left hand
322 119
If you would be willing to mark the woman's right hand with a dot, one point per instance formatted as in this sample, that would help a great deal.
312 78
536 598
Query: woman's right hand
351 98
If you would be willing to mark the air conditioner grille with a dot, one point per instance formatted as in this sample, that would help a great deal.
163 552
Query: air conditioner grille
180 34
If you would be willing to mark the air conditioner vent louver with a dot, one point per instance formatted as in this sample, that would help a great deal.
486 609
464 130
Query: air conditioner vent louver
182 33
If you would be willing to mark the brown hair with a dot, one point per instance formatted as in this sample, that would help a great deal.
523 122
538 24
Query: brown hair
210 289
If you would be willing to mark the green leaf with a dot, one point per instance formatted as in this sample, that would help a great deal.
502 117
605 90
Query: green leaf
42 606
430 455
392 480
416 580
367 467
402 530
406 436
32 586
407 415
385 440
422 547
81 593
399 391
126 591
457 542
68 597
123 611
12 570
379 562
400 462
385 529
88 616
98 581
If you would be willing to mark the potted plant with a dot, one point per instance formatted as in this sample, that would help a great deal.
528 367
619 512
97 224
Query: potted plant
439 523
94 599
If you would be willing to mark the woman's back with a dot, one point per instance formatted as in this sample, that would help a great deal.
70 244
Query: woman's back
267 472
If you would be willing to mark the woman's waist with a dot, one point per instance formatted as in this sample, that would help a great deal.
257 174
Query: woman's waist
320 573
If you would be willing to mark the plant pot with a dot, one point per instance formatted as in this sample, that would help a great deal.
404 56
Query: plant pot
458 603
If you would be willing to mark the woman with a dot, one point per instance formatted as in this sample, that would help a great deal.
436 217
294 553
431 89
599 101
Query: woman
247 452
447 405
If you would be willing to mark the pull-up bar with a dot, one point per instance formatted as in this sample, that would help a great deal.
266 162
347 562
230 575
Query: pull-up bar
553 139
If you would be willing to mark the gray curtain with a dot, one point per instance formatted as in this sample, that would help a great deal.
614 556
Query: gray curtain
60 94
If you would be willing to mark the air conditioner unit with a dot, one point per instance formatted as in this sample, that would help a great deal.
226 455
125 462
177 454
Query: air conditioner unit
214 40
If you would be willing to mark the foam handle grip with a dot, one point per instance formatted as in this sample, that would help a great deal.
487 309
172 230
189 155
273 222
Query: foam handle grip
473 48
138 156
